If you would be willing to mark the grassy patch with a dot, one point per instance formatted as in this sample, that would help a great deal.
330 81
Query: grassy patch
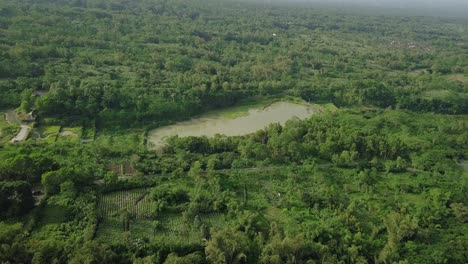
67 139
7 130
329 107
47 131
119 144
88 132
438 94
72 131
243 108
459 77
53 214
70 134
110 229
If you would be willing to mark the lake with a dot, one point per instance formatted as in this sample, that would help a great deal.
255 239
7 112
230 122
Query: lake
253 120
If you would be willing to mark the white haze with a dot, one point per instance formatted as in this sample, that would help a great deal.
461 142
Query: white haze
429 7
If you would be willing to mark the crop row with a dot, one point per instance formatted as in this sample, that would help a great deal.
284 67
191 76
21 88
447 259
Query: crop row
136 202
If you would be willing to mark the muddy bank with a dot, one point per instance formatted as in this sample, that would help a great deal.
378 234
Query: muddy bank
256 119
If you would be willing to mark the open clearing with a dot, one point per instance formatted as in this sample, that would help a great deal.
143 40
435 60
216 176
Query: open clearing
211 124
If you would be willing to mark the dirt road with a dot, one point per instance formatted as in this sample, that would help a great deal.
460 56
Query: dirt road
22 134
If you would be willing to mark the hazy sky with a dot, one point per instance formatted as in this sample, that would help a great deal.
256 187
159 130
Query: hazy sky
392 2
458 7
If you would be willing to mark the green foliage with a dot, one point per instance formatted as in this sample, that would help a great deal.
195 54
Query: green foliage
147 70
9 231
390 140
87 254
171 195
376 181
63 228
26 167
52 180
188 259
15 198
227 246
111 177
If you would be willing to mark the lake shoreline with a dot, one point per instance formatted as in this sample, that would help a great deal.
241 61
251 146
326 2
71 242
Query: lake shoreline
253 118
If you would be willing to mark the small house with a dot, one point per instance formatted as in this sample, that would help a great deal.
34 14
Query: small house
31 117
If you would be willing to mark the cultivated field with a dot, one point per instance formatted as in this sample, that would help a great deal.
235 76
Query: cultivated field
168 227
137 202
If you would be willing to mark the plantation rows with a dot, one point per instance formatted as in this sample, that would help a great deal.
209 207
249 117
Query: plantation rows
137 202
214 220
172 228
110 230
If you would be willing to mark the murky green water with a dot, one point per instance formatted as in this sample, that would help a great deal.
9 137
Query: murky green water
254 120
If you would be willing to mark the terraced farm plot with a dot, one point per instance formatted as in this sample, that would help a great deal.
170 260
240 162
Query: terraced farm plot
137 202
122 168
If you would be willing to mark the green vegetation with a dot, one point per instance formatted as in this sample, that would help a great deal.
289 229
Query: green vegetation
157 73
15 198
459 77
243 107
48 133
377 175
7 130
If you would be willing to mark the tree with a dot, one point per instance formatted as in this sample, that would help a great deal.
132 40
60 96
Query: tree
9 231
195 170
27 100
193 258
227 246
155 225
15 198
125 218
93 252
398 227
51 181
111 177
460 211
289 250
